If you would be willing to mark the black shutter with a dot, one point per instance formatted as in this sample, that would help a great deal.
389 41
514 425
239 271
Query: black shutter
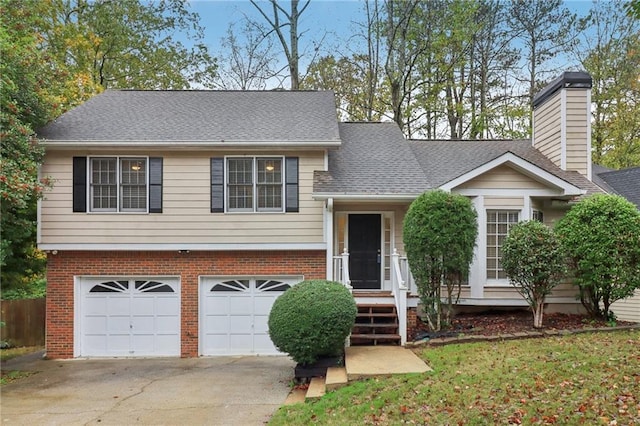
217 185
291 185
155 185
79 184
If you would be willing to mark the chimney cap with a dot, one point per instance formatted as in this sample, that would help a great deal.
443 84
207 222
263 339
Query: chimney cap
568 79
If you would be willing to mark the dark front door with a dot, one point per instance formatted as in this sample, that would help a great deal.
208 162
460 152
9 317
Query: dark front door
364 251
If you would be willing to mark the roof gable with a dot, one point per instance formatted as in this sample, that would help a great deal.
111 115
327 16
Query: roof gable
522 166
227 117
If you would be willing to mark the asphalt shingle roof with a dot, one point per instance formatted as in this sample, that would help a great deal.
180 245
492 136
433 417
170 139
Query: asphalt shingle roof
192 116
445 160
625 182
374 158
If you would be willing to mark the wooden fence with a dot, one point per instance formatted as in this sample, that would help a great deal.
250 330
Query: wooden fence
24 321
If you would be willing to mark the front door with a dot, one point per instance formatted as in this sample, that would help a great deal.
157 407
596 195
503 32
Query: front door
364 251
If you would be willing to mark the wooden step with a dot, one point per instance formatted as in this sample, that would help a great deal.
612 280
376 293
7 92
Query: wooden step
317 388
376 325
377 315
363 293
377 306
376 336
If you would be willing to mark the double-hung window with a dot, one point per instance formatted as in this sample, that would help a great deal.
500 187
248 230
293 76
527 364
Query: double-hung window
499 222
118 184
255 184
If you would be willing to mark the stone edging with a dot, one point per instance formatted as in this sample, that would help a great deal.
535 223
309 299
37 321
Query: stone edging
440 341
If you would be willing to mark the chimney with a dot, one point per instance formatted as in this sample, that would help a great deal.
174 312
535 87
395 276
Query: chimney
562 122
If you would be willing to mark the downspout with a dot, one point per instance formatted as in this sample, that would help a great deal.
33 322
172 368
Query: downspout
328 221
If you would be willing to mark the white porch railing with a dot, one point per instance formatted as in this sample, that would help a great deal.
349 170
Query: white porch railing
408 276
399 291
341 269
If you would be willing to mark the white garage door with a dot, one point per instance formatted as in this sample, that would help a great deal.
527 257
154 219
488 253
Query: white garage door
234 314
130 317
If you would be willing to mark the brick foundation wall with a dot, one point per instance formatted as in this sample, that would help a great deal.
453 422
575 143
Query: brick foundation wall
63 266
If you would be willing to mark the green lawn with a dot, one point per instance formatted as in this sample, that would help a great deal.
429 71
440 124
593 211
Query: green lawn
586 379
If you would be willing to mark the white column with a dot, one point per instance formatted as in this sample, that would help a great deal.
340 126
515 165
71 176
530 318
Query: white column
477 272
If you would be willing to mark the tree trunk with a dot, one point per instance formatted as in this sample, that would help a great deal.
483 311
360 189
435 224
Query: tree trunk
538 310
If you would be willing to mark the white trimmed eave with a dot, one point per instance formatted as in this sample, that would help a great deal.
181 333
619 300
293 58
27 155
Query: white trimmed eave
344 196
180 145
180 247
524 167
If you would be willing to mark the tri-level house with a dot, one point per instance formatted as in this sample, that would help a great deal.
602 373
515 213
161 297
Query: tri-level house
178 217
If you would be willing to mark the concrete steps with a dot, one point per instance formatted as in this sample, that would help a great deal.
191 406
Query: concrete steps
361 362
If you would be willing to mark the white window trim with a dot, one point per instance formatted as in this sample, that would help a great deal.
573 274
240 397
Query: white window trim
255 185
497 282
118 210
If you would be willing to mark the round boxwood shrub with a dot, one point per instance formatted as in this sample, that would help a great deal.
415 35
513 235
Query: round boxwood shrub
312 319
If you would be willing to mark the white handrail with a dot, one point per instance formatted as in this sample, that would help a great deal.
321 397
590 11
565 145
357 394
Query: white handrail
341 269
399 291
346 277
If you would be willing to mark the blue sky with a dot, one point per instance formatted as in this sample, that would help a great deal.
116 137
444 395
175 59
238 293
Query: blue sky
330 16
334 19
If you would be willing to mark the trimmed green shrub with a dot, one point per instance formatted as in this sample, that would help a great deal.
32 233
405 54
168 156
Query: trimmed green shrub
601 235
312 319
439 234
534 262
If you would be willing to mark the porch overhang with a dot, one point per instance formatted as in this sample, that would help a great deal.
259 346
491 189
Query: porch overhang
364 197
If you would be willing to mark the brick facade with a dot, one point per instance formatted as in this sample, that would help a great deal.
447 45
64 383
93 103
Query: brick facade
63 266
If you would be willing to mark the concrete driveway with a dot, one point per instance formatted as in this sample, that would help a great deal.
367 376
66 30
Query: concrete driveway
151 391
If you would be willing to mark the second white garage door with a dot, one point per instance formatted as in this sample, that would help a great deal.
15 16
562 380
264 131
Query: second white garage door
234 314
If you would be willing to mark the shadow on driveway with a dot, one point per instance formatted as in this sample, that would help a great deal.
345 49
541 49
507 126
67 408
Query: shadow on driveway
152 391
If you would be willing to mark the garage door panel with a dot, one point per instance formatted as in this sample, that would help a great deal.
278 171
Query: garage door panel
168 325
96 305
241 324
118 305
118 324
234 314
262 305
164 343
240 343
215 324
129 317
143 325
96 325
240 305
167 304
216 305
143 305
264 345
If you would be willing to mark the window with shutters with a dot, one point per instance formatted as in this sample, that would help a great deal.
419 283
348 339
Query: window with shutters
118 184
255 184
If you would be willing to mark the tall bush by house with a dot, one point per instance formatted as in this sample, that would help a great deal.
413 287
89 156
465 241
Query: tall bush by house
312 320
533 260
601 235
439 234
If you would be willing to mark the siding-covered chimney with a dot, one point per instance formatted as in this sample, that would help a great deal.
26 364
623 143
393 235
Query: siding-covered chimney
562 122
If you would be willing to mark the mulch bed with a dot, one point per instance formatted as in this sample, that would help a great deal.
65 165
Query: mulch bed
493 323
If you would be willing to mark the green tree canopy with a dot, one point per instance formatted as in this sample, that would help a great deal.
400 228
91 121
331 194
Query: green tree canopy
26 102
